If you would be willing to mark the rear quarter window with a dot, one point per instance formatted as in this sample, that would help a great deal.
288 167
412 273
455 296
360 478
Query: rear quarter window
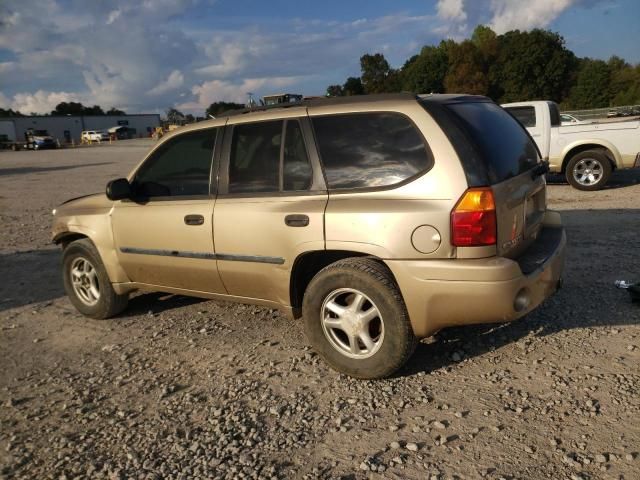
370 150
504 145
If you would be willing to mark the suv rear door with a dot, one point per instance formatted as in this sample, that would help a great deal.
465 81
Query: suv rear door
270 206
504 158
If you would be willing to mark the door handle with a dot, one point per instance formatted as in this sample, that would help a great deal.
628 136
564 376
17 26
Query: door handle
194 219
296 220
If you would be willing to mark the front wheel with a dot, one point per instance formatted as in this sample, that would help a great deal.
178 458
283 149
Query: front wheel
588 170
356 320
87 284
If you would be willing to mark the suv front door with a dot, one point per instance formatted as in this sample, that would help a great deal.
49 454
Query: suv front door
164 235
270 206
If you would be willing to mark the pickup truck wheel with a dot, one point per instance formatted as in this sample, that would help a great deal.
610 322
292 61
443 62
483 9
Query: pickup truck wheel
588 170
356 320
87 284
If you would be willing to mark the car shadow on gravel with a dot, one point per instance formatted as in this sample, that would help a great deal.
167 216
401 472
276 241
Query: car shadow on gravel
619 179
35 276
157 302
602 247
29 277
27 170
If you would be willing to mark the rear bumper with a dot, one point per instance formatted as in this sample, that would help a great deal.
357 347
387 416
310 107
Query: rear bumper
445 293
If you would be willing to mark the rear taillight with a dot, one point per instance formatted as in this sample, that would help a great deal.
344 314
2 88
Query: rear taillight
473 219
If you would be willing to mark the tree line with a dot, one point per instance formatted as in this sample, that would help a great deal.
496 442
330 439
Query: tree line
514 66
67 108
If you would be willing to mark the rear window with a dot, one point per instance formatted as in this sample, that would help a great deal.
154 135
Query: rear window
504 145
525 115
369 150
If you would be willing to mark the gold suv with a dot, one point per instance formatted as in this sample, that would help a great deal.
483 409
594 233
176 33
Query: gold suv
377 219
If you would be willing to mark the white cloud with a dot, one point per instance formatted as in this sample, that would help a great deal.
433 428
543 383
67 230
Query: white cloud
40 101
526 14
451 10
173 81
113 16
221 90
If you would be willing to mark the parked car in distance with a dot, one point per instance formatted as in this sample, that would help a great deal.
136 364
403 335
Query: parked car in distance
585 154
38 140
613 113
94 136
378 220
568 119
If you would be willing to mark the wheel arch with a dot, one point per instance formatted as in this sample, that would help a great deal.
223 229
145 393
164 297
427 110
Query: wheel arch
65 238
103 244
308 264
609 150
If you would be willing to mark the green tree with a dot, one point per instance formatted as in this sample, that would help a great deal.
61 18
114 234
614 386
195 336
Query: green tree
335 91
376 73
175 116
68 108
625 86
95 110
10 113
533 65
466 72
591 89
115 111
216 108
353 86
425 73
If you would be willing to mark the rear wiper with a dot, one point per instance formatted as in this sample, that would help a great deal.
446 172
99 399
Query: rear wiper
540 169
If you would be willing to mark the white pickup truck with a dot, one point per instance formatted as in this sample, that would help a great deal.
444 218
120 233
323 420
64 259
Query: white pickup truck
586 153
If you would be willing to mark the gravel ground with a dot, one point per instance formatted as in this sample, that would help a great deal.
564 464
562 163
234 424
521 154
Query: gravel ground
184 388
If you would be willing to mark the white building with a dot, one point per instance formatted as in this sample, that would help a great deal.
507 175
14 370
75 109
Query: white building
67 128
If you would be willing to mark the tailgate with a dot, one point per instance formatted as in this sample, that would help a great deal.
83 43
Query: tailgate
520 207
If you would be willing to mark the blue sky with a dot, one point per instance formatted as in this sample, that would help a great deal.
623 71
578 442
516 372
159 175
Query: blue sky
148 55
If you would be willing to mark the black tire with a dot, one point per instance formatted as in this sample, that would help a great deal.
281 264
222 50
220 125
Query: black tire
108 303
373 279
594 157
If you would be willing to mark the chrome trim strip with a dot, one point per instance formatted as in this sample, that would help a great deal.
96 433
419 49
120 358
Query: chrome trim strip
204 256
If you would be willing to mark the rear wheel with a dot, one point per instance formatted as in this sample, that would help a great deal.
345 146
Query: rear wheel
87 284
356 320
588 170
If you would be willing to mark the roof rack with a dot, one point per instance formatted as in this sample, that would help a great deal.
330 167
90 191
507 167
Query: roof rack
316 102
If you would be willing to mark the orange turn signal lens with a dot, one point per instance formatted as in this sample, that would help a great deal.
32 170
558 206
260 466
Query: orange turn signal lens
476 200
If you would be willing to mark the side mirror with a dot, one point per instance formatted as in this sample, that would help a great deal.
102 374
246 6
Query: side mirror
118 189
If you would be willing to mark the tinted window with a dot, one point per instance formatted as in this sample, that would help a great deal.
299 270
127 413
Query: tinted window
366 150
181 166
525 115
296 170
504 145
254 165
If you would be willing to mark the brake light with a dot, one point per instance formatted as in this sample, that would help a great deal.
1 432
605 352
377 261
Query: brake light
473 219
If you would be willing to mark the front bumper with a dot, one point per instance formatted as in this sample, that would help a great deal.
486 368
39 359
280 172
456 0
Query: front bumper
445 293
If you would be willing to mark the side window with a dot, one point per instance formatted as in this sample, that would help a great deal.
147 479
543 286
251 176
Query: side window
296 170
254 164
366 150
258 162
180 167
525 115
